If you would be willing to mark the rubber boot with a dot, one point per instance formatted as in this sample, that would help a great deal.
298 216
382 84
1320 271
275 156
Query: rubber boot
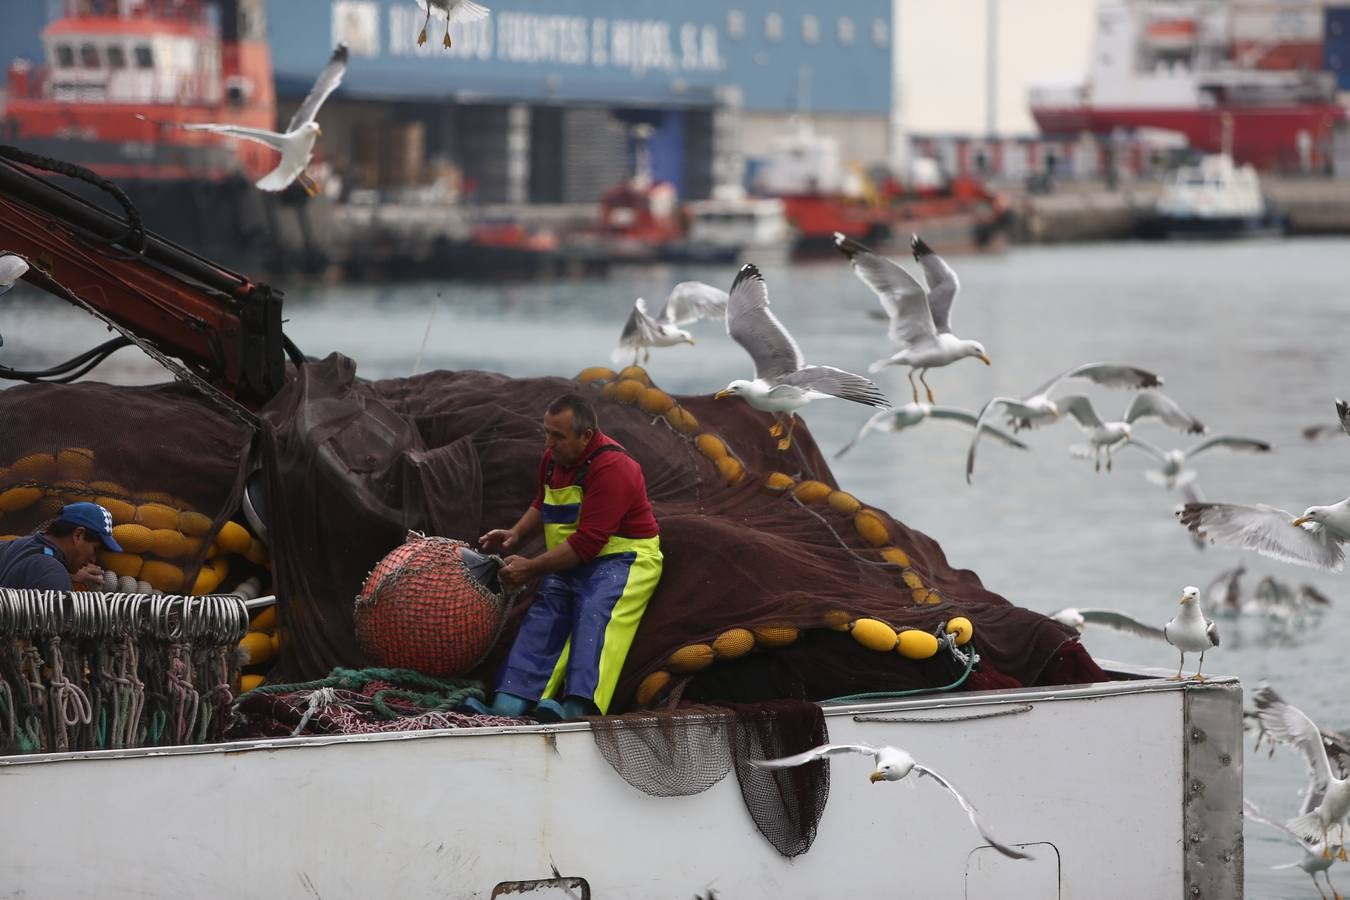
503 704
549 711
578 708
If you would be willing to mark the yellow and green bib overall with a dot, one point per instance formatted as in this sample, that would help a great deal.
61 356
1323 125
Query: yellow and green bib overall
577 633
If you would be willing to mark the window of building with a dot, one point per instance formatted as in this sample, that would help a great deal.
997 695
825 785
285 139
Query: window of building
881 32
144 58
735 23
89 57
810 29
846 31
65 56
117 56
773 27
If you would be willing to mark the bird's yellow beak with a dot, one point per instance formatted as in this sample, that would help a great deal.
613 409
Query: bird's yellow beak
875 777
1300 520
318 132
691 342
1183 600
984 359
720 394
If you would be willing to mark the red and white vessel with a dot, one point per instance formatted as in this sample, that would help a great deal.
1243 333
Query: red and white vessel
1191 66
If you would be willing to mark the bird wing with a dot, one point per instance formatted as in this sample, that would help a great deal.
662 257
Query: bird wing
1105 374
942 283
1152 404
903 298
690 301
325 84
815 753
980 428
1309 594
1231 580
1212 632
639 331
1151 449
1267 530
970 418
1080 407
752 325
257 135
12 268
1343 413
836 383
1119 621
973 814
872 422
1232 442
1251 811
468 11
1290 725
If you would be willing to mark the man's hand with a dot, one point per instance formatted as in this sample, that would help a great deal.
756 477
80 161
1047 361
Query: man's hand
515 571
90 574
497 540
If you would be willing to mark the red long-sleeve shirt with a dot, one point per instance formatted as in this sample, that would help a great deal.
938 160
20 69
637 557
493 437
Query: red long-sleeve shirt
614 497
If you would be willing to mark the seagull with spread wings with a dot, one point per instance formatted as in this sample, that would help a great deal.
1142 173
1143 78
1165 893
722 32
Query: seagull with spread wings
920 320
894 764
297 142
783 381
1173 470
687 303
454 11
911 414
1078 618
1315 539
1313 860
1105 437
1326 799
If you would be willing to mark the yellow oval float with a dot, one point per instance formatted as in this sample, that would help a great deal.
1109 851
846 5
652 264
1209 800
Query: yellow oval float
874 634
776 636
610 391
132 537
837 619
652 686
916 644
895 556
871 527
257 553
122 512
730 469
691 658
34 467
682 420
912 580
932 597
594 374
156 515
233 538
17 498
205 582
655 401
162 575
255 649
778 481
733 643
843 502
128 564
628 390
636 373
194 524
164 498
265 620
75 462
711 446
168 543
249 682
962 628
811 491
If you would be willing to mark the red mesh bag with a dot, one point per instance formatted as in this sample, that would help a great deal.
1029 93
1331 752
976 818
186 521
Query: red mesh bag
432 605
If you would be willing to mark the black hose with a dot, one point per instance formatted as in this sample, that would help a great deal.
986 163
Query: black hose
133 236
71 369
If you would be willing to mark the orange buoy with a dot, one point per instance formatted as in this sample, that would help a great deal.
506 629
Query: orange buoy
652 686
778 481
691 658
871 527
916 644
731 469
811 491
776 635
594 374
733 643
843 502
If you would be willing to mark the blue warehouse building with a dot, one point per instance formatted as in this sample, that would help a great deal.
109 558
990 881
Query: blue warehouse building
538 101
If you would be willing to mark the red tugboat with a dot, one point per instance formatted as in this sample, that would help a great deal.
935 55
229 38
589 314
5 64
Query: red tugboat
171 61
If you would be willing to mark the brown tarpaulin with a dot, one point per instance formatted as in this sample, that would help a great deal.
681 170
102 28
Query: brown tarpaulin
456 453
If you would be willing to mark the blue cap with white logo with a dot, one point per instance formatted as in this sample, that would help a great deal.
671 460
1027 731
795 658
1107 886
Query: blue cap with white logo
94 519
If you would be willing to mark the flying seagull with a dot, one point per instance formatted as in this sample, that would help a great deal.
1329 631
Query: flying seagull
12 268
454 11
1326 800
1037 408
911 414
297 142
1314 539
687 303
1190 632
1105 437
920 320
783 382
1078 618
1174 471
893 764
1313 860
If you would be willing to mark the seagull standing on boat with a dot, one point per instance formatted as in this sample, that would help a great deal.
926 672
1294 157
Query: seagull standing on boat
1174 471
1190 632
1314 859
687 303
892 764
783 382
911 414
1105 437
454 11
297 142
12 268
920 320
1326 800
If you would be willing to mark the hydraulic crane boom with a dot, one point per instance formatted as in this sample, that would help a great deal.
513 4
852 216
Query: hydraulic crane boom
223 326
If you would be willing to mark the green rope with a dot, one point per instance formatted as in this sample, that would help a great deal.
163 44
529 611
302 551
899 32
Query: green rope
893 695
434 693
430 702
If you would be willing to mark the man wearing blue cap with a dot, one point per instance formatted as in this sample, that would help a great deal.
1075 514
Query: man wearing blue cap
61 553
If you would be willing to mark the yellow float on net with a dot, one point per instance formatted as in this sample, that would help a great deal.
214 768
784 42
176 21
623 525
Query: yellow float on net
255 649
128 564
164 498
133 538
75 462
652 686
733 643
121 511
168 543
164 576
916 644
194 524
912 580
265 620
50 506
654 401
33 467
871 527
73 490
962 628
233 538
776 635
730 469
249 682
156 515
895 556
627 390
17 498
206 581
636 373
257 553
932 597
682 420
220 565
811 491
691 658
778 481
843 502
711 446
837 619
594 374
873 634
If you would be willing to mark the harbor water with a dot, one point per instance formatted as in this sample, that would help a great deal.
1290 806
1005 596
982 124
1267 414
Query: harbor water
1251 337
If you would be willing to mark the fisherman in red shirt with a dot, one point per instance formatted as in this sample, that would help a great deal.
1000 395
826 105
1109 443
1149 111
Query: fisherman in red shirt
602 564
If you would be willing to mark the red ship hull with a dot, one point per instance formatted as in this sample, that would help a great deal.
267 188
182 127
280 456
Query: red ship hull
1265 137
